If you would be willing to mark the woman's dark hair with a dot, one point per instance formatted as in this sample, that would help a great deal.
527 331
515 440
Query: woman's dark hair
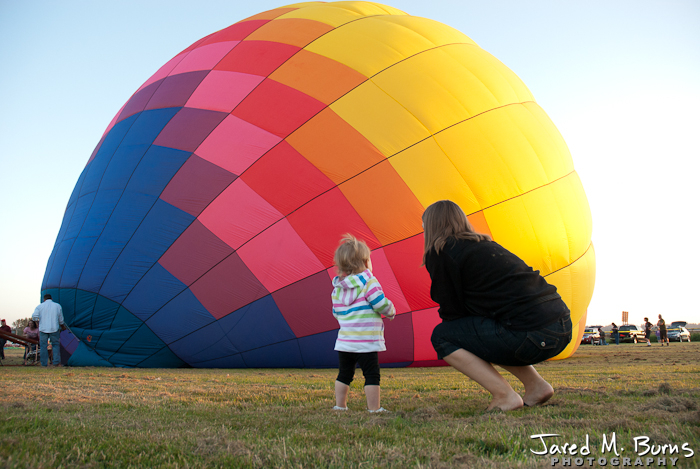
445 219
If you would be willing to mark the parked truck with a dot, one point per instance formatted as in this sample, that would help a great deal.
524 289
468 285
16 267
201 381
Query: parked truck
631 333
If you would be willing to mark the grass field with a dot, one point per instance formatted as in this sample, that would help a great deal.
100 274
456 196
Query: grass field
182 418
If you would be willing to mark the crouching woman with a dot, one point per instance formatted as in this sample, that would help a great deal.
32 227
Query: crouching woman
495 309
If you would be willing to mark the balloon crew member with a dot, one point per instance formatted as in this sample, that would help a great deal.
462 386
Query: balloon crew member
495 309
647 331
49 315
616 333
31 332
8 329
663 333
358 305
601 332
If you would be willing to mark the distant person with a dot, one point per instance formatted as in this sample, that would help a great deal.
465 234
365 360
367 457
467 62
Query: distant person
663 333
31 332
494 309
647 331
49 351
5 328
49 315
616 333
358 305
601 332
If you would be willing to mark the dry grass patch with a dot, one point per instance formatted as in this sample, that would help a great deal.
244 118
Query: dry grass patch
103 417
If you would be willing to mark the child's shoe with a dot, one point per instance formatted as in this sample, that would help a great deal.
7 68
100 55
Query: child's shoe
381 409
339 408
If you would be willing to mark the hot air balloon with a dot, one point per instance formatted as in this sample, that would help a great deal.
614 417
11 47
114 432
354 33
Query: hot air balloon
201 231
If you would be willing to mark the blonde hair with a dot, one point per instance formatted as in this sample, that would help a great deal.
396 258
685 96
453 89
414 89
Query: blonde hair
445 219
351 256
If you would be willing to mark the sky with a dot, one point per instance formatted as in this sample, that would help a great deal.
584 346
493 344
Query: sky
618 79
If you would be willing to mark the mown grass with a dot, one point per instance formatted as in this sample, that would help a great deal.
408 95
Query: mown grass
101 417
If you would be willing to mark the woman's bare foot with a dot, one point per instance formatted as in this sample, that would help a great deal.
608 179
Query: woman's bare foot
511 401
538 394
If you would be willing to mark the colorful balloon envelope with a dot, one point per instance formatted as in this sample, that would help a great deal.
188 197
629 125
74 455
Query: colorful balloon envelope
202 230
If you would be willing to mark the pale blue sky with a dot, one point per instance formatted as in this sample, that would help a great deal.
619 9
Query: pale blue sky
619 79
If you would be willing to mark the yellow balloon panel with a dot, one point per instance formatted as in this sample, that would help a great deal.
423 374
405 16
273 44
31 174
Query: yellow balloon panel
368 8
324 14
550 147
431 176
376 43
575 283
452 86
300 5
383 121
576 334
437 33
573 208
339 13
271 14
506 152
492 69
548 228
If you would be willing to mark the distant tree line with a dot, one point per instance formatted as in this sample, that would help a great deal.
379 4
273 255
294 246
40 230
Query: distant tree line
19 325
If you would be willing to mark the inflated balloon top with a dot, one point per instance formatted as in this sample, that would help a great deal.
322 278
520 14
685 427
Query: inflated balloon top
202 230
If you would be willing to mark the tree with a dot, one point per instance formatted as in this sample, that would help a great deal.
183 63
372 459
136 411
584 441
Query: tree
20 324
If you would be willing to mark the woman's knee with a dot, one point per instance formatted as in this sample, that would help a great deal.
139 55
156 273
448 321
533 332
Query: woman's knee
441 342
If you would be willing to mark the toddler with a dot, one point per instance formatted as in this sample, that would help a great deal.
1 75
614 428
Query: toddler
358 305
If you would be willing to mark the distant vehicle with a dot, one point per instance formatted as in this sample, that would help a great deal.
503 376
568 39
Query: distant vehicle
631 333
680 334
590 335
678 324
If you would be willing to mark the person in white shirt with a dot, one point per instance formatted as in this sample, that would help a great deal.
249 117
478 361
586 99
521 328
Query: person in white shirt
49 315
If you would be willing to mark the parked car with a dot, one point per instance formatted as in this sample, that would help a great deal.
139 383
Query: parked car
680 334
678 324
631 333
590 335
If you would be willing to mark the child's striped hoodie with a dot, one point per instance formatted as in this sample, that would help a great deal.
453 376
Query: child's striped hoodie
358 305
